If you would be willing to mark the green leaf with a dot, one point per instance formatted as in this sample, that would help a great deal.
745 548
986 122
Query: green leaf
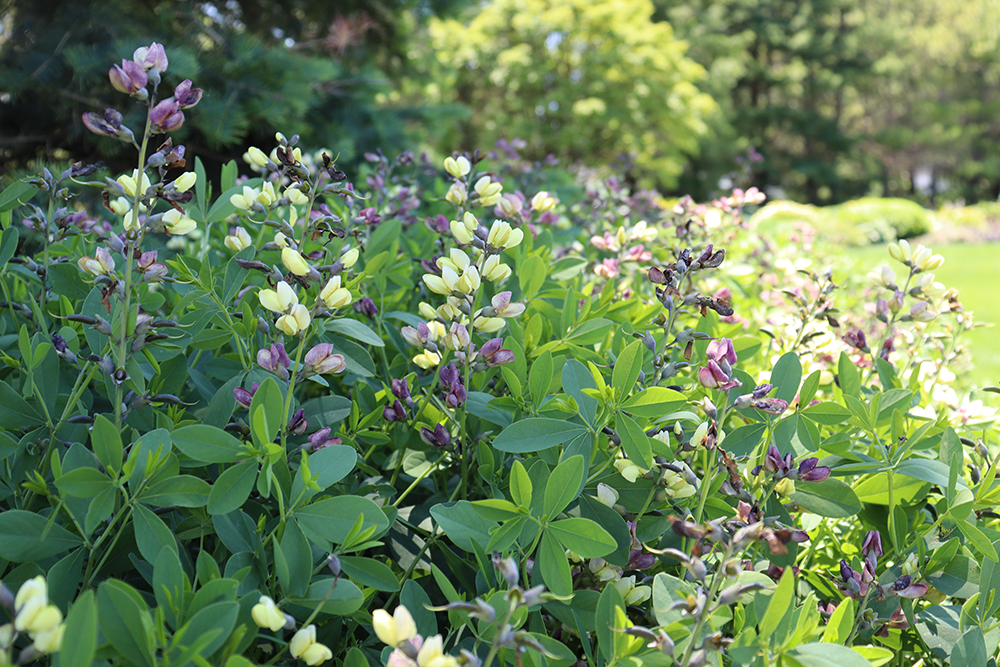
383 237
354 658
462 524
828 414
327 410
635 442
786 376
356 330
8 243
414 597
627 368
168 585
14 410
14 195
520 485
296 555
208 444
179 490
121 614
232 488
609 606
540 377
26 536
331 520
654 402
841 622
744 439
830 498
551 559
564 486
970 649
531 275
83 482
107 444
80 636
977 538
575 378
583 537
370 572
266 409
210 627
344 599
826 655
848 376
151 534
780 604
533 435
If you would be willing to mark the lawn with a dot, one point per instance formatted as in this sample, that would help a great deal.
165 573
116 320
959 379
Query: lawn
974 269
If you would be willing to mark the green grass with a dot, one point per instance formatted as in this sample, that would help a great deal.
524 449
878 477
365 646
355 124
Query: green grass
973 269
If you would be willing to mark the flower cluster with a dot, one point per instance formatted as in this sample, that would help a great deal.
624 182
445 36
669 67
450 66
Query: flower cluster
34 615
409 649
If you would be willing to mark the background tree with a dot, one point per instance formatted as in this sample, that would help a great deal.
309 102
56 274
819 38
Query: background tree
587 81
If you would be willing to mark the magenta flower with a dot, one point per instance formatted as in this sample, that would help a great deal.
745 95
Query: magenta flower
244 397
438 438
151 57
166 116
712 376
323 361
494 355
275 360
321 439
187 96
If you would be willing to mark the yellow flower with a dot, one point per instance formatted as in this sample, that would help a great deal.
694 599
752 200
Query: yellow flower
911 564
267 195
295 321
543 202
489 192
436 284
642 232
99 265
244 201
432 654
296 196
629 470
457 194
49 641
456 260
131 221
267 615
120 206
281 240
488 324
461 234
494 270
784 487
502 236
177 223
349 258
607 495
427 310
294 262
255 156
333 295
238 240
396 629
278 301
185 181
632 594
457 168
128 183
427 359
449 310
305 647
437 331
37 616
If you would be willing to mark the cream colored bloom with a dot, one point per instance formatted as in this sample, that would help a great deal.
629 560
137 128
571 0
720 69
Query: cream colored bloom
296 196
185 181
607 495
396 629
629 470
457 167
333 295
49 641
238 240
121 206
128 183
295 262
436 284
457 194
280 300
642 232
461 234
267 195
432 654
488 324
255 156
784 487
244 201
349 258
494 270
543 202
502 236
305 647
131 221
177 223
427 359
267 615
426 310
489 191
456 260
296 321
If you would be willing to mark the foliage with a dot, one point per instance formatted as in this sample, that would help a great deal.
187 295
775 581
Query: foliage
857 222
412 416
588 82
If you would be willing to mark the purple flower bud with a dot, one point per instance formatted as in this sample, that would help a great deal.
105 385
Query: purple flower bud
494 355
773 462
323 361
400 389
438 438
166 116
244 397
856 339
154 273
298 423
394 412
185 95
872 546
321 439
810 472
275 360
151 57
762 390
130 79
450 376
712 376
366 307
846 573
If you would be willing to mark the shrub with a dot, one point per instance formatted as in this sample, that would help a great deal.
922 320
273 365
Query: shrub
414 416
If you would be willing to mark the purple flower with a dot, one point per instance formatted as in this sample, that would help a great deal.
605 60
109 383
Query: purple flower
274 359
298 423
493 355
394 412
185 95
321 439
244 397
322 360
366 307
871 549
130 79
810 472
166 116
712 376
905 588
857 340
438 438
400 388
151 57
722 350
772 406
